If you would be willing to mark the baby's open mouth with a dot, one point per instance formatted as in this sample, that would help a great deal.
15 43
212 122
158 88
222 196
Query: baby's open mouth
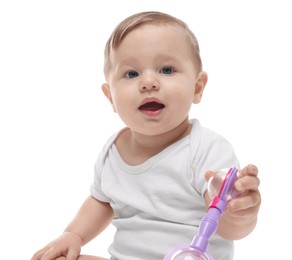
151 106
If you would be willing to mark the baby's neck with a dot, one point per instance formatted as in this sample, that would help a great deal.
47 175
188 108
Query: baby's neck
135 148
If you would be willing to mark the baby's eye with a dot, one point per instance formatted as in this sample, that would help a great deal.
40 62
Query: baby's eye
132 74
167 70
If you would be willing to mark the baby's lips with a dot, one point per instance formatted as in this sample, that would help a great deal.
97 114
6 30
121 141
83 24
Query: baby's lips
151 106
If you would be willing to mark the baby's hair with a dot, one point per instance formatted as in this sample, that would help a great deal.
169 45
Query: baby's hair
149 17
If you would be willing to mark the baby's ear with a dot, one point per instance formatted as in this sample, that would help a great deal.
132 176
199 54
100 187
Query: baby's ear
107 92
200 86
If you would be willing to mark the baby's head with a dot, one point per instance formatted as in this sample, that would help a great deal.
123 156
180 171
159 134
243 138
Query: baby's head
151 17
153 73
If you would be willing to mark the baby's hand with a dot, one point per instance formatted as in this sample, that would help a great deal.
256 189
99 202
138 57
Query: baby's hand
246 205
68 245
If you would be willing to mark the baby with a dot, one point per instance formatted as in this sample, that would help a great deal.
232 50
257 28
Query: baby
150 178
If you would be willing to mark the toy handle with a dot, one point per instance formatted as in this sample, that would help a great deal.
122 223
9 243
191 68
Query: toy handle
209 223
208 227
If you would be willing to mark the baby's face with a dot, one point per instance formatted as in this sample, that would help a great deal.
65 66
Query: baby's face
152 79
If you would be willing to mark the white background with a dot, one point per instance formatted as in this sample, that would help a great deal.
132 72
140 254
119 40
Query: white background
54 118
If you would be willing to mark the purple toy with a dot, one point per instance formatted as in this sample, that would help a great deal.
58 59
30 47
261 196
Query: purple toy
197 249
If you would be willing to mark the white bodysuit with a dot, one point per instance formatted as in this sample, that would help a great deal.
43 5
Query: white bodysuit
159 203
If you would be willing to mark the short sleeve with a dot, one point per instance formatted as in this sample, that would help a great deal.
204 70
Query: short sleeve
96 186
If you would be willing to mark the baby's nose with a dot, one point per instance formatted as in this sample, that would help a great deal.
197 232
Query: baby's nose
149 83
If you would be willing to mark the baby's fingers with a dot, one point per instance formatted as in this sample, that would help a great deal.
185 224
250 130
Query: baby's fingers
249 170
248 179
250 199
246 183
72 254
51 254
38 255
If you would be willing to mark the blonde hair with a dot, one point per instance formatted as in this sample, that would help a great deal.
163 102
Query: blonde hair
149 17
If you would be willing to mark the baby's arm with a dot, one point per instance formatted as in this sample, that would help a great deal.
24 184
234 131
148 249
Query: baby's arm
92 218
240 216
